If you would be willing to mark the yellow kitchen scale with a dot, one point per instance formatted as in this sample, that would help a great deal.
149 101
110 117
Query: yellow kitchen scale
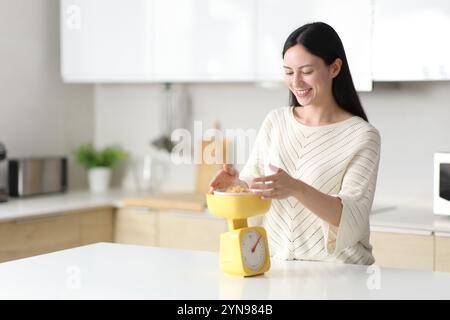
244 250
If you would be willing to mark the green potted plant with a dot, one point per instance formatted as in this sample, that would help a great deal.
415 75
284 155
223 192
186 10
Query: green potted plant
99 164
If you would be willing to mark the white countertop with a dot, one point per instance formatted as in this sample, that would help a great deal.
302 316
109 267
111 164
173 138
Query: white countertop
117 271
409 220
20 208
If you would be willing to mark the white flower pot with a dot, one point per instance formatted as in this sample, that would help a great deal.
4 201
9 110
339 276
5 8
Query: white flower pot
99 179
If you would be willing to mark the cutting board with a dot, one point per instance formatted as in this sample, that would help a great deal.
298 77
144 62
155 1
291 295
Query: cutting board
169 201
206 172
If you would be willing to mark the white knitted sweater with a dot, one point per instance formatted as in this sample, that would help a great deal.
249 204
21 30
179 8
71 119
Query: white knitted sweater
339 159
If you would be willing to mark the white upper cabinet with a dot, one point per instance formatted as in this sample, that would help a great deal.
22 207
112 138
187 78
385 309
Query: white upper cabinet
198 40
242 40
105 40
275 20
352 20
410 40
157 40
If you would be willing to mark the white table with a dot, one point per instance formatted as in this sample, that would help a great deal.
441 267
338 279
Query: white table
117 271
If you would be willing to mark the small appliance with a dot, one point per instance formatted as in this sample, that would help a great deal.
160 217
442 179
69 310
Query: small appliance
441 191
3 174
35 176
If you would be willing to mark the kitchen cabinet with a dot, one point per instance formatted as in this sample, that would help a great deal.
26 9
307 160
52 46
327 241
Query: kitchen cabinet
442 252
200 41
242 40
149 41
106 40
136 226
192 231
409 40
203 40
37 235
96 225
275 20
411 249
172 229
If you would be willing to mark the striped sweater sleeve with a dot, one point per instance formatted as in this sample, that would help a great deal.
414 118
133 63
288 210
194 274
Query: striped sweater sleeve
356 194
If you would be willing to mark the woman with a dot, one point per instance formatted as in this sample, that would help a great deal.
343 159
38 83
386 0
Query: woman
323 154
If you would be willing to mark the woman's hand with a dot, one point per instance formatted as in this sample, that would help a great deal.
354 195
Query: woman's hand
279 185
226 177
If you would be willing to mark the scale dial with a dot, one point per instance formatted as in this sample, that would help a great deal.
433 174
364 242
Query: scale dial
253 248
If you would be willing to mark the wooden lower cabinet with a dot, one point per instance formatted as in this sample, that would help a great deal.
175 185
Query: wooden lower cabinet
96 226
33 236
403 250
442 252
184 230
136 226
190 232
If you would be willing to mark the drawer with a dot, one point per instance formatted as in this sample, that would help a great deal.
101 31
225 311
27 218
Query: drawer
190 232
136 226
96 226
414 250
29 237
442 252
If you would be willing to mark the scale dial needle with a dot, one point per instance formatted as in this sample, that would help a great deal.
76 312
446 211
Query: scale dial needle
257 241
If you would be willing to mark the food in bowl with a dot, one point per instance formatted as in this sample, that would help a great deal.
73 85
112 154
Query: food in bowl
237 189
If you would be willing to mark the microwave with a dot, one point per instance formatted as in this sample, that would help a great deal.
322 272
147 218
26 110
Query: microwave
441 190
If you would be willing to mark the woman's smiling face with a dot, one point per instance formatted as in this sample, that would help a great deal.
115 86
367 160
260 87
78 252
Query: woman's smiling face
307 76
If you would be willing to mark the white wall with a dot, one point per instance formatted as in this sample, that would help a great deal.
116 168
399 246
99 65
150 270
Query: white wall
39 115
131 115
413 119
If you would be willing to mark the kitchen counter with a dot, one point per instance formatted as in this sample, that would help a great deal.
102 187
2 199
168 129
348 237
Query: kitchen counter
383 217
116 271
409 220
20 208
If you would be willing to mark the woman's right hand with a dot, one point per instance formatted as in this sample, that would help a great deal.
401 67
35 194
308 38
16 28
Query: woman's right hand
226 177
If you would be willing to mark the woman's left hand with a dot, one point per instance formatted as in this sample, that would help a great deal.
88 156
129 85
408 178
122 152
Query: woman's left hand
276 186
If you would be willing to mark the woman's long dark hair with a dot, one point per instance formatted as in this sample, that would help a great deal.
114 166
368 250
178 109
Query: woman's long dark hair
322 40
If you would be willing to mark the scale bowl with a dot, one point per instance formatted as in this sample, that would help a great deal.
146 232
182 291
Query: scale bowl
237 206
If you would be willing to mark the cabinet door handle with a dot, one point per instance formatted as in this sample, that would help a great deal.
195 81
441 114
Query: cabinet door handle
38 218
142 210
442 234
